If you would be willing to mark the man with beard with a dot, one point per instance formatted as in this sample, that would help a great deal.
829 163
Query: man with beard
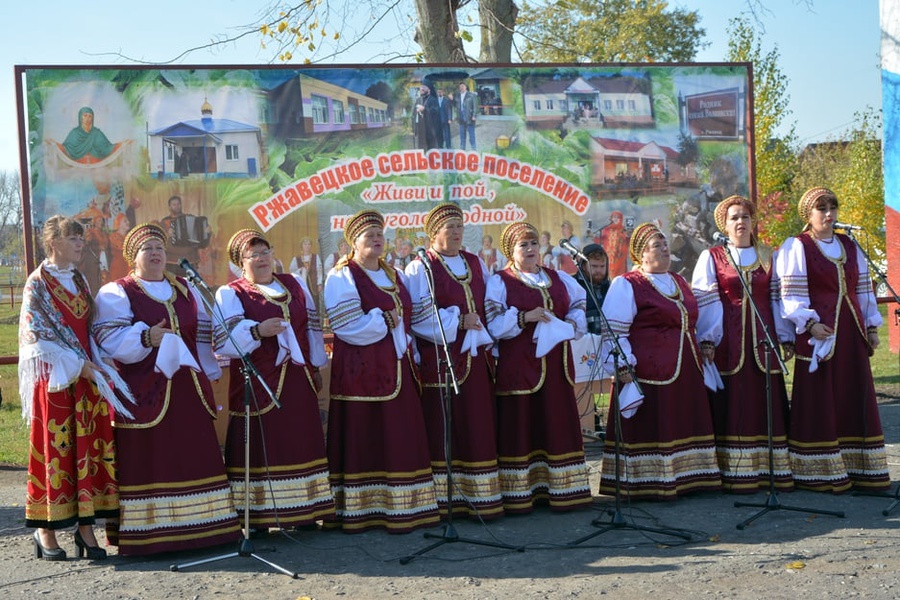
427 120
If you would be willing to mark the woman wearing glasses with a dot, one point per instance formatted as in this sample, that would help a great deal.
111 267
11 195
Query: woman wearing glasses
273 318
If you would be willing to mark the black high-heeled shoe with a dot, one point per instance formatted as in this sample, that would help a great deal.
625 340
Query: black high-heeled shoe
46 553
93 552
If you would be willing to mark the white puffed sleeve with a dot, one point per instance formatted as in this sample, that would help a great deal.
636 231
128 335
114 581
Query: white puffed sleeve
705 286
239 326
118 336
424 323
783 329
620 309
790 267
502 320
317 356
577 303
345 314
866 294
208 361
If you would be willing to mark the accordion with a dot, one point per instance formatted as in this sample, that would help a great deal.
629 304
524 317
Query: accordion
191 231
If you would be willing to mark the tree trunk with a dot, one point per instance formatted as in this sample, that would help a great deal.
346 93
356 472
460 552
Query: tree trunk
436 31
498 19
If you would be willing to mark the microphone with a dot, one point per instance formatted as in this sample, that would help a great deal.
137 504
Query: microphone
423 256
575 252
589 227
192 274
847 226
721 238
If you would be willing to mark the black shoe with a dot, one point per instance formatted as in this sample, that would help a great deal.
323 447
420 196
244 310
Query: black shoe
46 553
93 552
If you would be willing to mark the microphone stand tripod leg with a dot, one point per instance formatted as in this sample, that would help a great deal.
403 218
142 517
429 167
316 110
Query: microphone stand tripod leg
772 503
245 547
617 520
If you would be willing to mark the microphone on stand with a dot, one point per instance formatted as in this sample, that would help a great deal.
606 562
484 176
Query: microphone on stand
721 238
575 252
423 256
847 226
193 275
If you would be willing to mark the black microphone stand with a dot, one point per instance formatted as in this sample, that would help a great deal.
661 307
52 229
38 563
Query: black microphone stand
617 518
449 386
248 369
769 348
883 278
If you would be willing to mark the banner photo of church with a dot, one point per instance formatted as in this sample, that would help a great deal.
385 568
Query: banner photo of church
583 152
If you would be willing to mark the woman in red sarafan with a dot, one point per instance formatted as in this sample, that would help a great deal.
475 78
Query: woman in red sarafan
66 394
173 489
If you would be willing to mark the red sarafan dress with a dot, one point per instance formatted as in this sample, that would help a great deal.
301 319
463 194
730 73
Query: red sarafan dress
740 418
459 287
71 462
288 476
172 482
539 445
377 443
835 437
667 448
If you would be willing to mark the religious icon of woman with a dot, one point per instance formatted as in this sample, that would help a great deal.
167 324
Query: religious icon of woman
85 143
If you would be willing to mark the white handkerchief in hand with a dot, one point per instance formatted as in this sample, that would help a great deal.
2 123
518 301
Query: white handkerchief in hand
174 354
474 339
711 377
630 399
401 343
548 334
821 349
289 347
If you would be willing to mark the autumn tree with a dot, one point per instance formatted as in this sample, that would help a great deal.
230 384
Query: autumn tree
609 31
10 215
774 154
316 30
851 167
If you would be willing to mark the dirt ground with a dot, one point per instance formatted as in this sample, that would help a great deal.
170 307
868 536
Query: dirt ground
783 554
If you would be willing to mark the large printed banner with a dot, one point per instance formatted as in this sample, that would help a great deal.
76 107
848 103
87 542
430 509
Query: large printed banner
585 152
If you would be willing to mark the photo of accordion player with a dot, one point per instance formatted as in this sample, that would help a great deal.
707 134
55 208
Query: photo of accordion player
190 231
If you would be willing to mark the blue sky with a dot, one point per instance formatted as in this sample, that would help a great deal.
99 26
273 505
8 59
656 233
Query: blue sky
829 51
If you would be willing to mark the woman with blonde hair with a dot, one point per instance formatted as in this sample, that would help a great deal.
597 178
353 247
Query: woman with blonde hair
66 397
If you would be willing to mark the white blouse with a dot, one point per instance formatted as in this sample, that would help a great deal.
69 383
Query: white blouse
502 320
790 265
121 339
346 316
705 286
232 309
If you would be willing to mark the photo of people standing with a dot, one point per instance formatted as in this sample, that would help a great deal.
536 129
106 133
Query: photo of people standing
426 120
466 107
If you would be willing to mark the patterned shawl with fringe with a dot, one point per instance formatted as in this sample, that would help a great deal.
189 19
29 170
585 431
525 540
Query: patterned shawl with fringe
45 339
